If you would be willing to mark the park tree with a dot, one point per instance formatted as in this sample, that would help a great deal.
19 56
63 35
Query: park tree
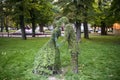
41 13
5 15
10 8
30 11
19 7
87 8
1 16
33 17
102 14
44 14
115 11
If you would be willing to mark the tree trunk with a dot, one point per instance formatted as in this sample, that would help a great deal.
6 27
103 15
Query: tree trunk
41 27
33 28
103 28
2 24
86 34
32 14
78 31
22 26
17 26
6 25
1 17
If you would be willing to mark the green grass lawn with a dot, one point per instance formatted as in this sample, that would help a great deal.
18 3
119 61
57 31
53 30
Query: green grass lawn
99 59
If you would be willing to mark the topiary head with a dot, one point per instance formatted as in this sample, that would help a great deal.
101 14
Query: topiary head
64 20
58 24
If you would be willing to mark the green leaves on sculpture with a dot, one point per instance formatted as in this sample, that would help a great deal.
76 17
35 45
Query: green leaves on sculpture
47 60
70 37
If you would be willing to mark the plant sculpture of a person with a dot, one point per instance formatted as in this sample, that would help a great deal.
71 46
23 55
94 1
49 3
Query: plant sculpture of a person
70 38
47 61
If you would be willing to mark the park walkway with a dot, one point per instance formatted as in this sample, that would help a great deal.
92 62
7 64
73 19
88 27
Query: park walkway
6 34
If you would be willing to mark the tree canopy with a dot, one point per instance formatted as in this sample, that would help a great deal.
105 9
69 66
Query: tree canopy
115 11
33 11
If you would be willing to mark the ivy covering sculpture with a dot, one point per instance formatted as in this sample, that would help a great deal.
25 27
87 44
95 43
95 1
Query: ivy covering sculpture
70 38
47 60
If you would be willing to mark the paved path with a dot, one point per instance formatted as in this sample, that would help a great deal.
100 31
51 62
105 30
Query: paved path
6 35
54 78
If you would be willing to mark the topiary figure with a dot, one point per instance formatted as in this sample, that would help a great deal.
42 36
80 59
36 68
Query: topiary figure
47 60
70 37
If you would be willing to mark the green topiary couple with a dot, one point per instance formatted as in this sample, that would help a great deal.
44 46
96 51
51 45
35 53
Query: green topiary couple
47 61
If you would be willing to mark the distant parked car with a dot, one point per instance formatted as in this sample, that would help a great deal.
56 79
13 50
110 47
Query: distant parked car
89 28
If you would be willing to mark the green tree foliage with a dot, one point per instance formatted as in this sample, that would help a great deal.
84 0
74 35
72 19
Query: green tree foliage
87 6
19 8
1 16
45 14
29 11
101 14
115 11
70 10
5 15
77 12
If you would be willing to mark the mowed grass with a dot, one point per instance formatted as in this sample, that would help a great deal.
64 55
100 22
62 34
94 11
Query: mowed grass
99 58
16 56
